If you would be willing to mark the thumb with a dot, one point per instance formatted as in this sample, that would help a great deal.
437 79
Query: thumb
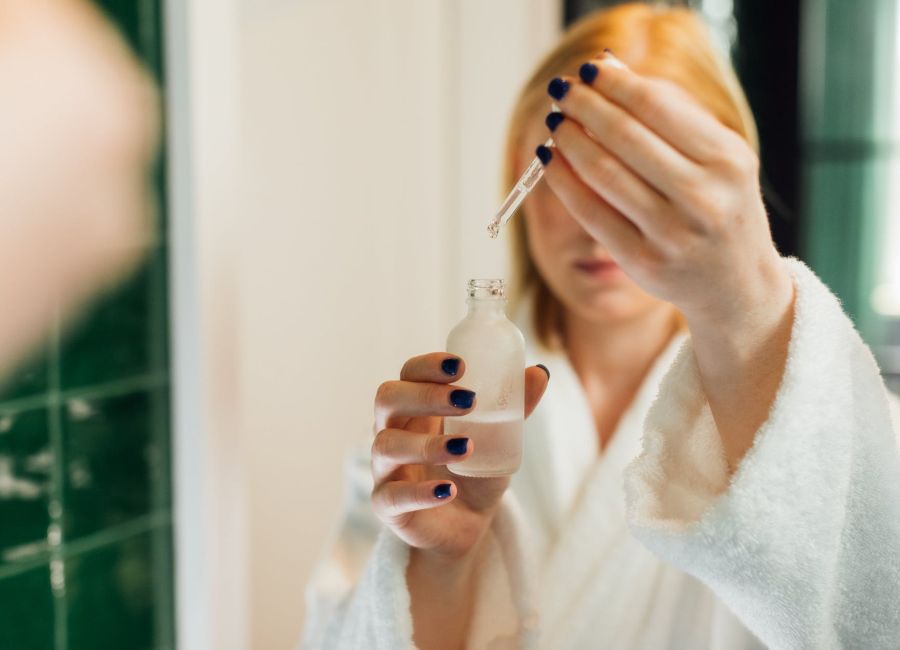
536 380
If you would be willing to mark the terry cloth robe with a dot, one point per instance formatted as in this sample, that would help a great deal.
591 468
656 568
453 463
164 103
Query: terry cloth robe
650 544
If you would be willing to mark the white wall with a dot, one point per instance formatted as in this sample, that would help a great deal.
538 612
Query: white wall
343 238
367 155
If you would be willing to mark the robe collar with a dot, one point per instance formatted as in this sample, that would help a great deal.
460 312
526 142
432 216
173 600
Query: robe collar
562 434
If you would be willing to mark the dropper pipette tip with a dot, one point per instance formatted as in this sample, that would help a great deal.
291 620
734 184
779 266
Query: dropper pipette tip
530 177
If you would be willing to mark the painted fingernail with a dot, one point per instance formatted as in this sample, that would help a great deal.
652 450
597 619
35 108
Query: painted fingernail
462 399
553 120
544 154
458 446
557 88
588 72
442 491
450 366
544 368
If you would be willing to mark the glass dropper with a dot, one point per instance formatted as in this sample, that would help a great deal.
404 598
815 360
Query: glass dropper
520 190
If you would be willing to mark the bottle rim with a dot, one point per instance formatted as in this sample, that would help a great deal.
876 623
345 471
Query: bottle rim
487 289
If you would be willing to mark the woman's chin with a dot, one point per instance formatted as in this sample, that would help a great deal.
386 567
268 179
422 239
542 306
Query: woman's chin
604 307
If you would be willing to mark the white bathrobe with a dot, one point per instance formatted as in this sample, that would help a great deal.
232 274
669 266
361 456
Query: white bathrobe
649 544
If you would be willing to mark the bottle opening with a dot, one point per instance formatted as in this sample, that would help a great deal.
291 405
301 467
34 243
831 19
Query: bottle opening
487 289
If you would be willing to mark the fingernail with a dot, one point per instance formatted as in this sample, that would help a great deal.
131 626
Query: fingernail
544 368
558 88
442 491
588 72
462 399
553 120
450 366
458 446
544 154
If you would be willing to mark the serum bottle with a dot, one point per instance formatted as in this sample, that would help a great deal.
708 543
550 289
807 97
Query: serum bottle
494 353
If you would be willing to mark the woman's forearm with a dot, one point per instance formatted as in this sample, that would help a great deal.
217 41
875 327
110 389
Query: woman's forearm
441 593
742 358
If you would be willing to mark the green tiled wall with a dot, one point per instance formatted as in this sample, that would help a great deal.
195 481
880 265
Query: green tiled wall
85 499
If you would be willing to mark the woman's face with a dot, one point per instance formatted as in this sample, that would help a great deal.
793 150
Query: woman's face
577 268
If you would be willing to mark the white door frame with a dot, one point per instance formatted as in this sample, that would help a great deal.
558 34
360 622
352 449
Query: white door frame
201 105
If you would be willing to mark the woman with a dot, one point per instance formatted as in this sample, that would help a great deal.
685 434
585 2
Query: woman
764 507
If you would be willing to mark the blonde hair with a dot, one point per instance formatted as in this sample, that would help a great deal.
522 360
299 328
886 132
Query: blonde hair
669 43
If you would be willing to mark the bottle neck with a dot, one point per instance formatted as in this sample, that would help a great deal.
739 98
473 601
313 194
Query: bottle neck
489 308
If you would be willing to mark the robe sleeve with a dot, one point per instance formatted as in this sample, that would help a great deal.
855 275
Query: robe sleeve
357 596
803 542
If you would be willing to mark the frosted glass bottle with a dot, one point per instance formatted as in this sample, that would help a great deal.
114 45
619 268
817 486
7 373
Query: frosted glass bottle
494 353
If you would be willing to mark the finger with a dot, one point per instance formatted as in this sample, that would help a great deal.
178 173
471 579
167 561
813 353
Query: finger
536 380
395 447
415 399
603 222
665 108
393 500
614 182
665 168
438 367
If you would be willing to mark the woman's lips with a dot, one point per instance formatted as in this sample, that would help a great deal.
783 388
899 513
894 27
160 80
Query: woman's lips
598 268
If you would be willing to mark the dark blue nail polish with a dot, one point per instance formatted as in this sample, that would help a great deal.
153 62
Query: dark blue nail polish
544 368
442 491
450 366
588 72
544 154
558 88
462 399
458 446
553 120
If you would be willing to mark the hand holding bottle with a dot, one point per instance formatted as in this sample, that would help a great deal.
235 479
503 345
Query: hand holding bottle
414 494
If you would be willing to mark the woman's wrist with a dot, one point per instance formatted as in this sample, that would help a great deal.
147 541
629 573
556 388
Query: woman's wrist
441 590
447 570
749 311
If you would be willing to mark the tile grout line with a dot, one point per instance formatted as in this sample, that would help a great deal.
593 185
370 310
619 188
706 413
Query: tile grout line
145 381
22 404
160 422
106 537
12 569
159 398
57 499
118 533
162 539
